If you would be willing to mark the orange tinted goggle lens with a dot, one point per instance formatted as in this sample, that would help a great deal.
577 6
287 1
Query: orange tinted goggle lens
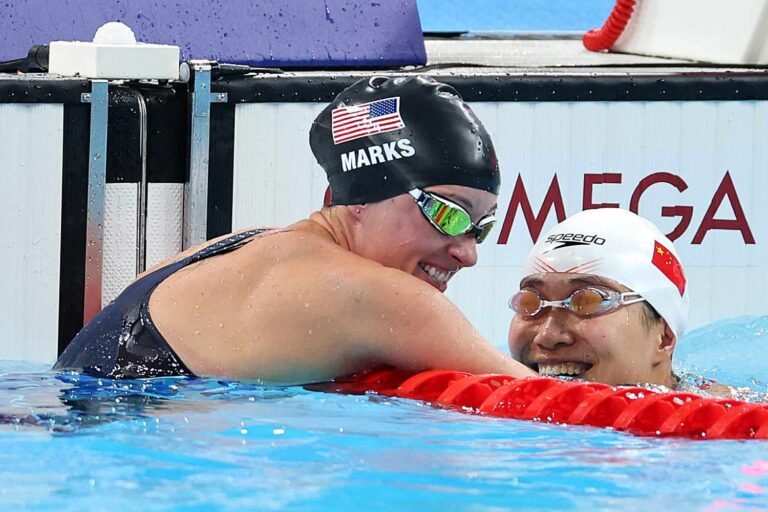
586 302
525 303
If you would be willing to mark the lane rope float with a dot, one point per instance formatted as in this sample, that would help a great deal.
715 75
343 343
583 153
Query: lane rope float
631 409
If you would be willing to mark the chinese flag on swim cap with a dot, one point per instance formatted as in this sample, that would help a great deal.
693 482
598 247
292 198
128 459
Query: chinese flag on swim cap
664 260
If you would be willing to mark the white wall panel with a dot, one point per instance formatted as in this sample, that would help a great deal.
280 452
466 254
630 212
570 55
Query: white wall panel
31 140
277 182
164 231
120 238
165 203
276 178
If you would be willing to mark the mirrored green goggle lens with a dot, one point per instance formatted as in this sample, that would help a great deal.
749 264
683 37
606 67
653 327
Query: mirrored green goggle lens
452 221
455 221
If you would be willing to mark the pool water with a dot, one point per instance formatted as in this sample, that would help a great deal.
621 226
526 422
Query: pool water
69 442
514 16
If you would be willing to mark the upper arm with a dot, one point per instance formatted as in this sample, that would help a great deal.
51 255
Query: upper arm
402 321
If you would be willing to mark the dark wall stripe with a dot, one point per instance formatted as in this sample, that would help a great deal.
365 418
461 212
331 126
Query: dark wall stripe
734 85
41 89
220 169
663 86
167 132
74 201
123 137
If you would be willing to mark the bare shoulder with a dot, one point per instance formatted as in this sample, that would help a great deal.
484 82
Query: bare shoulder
321 261
382 303
187 252
349 284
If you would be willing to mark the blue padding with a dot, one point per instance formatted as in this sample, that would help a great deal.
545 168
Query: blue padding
299 33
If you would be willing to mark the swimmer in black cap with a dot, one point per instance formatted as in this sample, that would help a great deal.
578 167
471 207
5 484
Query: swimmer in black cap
413 179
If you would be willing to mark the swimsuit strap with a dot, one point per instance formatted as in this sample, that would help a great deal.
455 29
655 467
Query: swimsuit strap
227 244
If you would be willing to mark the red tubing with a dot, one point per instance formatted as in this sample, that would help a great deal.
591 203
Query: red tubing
605 37
628 409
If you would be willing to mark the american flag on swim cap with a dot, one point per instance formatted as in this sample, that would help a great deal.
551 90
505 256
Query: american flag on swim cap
670 266
350 123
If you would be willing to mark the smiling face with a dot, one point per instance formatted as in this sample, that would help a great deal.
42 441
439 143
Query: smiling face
624 346
395 233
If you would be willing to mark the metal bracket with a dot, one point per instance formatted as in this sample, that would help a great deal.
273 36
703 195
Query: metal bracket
97 179
195 225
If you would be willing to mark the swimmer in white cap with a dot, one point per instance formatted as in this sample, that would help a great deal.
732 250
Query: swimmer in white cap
603 298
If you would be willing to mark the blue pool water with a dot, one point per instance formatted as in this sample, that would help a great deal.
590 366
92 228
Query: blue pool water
513 15
75 443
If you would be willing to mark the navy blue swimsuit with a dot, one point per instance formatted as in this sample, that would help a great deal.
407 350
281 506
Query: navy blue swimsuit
122 342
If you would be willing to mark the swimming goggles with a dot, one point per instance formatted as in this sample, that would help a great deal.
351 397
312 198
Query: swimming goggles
584 302
450 218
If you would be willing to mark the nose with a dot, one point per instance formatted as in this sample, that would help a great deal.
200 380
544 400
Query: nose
554 331
463 249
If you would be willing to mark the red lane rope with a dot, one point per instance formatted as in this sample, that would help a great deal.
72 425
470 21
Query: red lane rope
606 36
628 409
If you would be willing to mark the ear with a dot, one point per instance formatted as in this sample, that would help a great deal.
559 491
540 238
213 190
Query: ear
356 210
668 340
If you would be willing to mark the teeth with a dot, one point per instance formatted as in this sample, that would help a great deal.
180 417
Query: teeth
439 276
569 368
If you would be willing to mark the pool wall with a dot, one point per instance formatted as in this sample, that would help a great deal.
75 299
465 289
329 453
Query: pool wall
96 190
565 143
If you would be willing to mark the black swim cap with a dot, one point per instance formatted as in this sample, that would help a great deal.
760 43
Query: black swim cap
382 137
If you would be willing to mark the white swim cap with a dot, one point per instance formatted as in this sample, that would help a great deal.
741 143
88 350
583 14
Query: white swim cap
619 245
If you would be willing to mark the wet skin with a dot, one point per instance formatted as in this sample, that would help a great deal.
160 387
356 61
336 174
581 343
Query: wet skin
397 235
332 295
